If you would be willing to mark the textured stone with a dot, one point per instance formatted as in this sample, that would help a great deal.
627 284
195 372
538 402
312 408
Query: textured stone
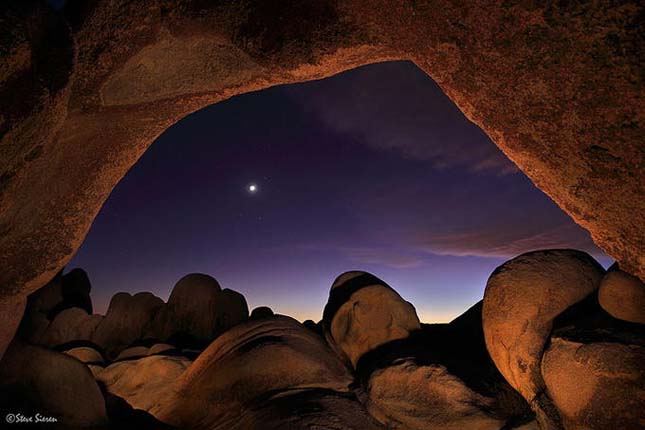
598 385
623 296
252 363
363 313
522 299
411 397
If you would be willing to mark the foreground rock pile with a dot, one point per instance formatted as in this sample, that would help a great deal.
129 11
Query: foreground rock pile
553 345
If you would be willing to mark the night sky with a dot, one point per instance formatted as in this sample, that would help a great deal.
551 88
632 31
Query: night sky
374 169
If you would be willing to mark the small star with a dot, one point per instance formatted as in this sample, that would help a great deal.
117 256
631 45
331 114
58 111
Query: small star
252 188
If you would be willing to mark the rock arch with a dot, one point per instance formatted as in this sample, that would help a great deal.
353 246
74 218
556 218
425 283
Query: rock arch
84 90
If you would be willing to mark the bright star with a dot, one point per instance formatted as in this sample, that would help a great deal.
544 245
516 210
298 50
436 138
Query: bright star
252 188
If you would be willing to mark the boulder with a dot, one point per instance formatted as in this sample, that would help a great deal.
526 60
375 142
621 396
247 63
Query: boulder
251 364
147 383
127 319
70 325
440 377
596 385
37 380
133 352
261 312
362 313
411 397
75 289
160 348
86 354
522 298
623 296
197 311
45 299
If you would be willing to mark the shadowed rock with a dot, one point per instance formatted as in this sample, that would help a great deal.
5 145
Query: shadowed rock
197 311
36 380
70 325
362 313
126 320
261 312
522 298
440 377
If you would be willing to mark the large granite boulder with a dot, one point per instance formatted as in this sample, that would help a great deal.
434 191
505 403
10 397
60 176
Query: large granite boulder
37 380
197 311
127 320
261 312
623 296
596 385
249 372
363 313
522 298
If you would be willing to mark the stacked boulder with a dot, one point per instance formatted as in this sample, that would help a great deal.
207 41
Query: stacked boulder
198 311
409 377
576 364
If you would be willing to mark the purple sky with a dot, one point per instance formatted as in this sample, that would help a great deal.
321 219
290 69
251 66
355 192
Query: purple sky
373 169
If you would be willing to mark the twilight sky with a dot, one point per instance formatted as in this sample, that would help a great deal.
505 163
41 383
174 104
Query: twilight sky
373 169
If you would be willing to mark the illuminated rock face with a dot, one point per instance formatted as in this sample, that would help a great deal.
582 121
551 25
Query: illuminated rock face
363 313
556 88
523 298
266 373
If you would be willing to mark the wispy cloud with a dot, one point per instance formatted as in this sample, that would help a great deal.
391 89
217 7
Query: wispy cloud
494 243
382 256
400 109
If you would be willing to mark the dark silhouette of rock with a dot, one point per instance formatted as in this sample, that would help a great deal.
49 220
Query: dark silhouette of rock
147 383
127 319
69 325
75 289
623 296
522 299
362 313
315 327
197 311
248 368
37 380
261 312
